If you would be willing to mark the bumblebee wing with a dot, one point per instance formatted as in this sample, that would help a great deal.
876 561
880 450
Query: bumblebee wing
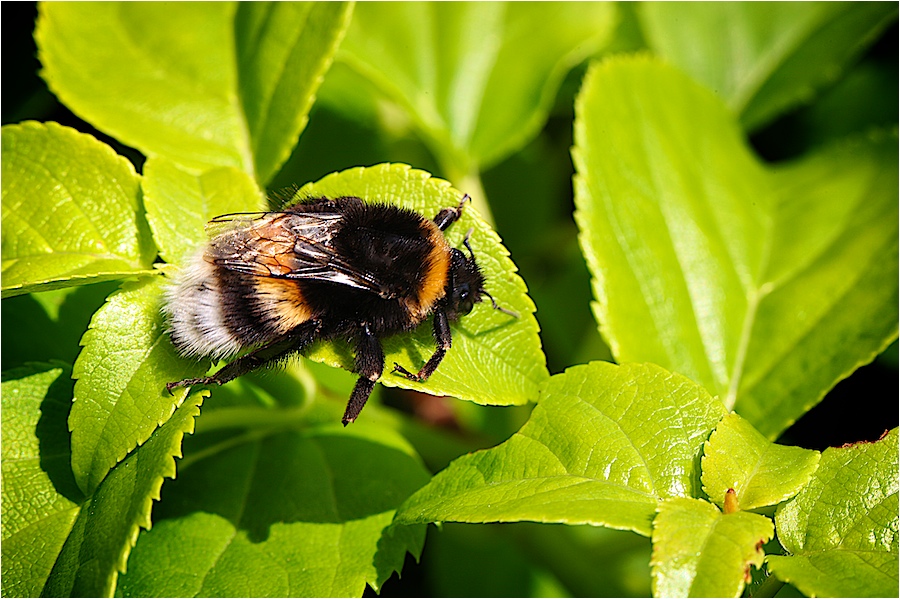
287 245
228 222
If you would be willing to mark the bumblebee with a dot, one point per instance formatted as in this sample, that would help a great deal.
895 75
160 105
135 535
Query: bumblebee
275 282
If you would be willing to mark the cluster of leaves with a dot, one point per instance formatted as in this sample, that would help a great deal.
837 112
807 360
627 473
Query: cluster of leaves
733 294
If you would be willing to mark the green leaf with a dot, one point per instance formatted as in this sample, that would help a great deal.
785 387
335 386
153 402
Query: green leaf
106 529
48 326
700 552
487 561
774 56
40 498
761 473
287 514
767 286
477 79
205 85
56 542
842 529
495 359
180 203
603 445
71 211
120 393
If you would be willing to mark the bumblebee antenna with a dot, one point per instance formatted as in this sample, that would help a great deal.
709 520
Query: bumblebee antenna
483 292
466 241
499 307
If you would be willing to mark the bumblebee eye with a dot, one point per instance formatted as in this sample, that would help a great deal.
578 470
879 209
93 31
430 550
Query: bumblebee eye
462 298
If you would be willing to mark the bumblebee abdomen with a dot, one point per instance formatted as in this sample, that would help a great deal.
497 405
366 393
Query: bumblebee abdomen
215 312
197 315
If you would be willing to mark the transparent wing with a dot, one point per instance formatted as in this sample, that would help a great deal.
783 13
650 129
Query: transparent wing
286 245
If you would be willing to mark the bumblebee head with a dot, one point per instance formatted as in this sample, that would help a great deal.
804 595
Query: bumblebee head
467 287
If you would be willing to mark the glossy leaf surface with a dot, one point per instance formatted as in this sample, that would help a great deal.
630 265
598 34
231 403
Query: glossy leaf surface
766 285
603 445
761 473
231 85
476 78
841 531
71 211
700 552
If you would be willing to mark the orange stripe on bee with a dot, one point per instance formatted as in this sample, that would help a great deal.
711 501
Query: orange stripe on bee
434 274
283 301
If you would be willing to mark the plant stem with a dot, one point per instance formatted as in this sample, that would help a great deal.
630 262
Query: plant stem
768 587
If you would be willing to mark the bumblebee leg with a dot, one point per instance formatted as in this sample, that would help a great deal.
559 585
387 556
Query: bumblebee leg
369 365
443 339
262 356
448 216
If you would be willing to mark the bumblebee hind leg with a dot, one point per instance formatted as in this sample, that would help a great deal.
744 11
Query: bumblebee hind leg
369 365
260 357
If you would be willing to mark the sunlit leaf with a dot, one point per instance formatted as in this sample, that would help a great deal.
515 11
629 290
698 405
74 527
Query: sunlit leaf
841 531
766 285
203 84
760 472
180 203
600 448
122 371
496 358
700 552
71 211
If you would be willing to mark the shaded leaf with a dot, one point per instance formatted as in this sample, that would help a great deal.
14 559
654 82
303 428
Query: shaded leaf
764 58
477 79
761 473
106 529
40 498
603 445
71 211
49 325
270 513
485 561
842 530
56 542
700 552
766 286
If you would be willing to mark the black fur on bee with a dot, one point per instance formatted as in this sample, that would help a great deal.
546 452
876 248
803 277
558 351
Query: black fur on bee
274 282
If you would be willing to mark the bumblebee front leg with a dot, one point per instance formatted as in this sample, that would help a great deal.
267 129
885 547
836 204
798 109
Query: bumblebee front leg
443 339
369 365
448 216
